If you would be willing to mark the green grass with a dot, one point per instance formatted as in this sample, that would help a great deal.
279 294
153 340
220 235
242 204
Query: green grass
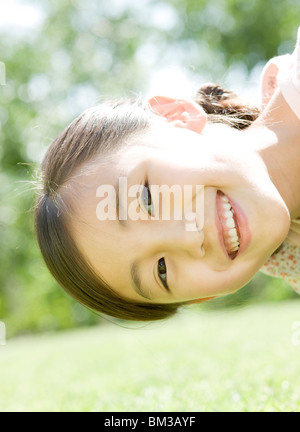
232 360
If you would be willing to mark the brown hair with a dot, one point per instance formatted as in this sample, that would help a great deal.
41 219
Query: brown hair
102 130
224 106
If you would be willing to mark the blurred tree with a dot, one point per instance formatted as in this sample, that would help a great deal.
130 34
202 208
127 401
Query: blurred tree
64 56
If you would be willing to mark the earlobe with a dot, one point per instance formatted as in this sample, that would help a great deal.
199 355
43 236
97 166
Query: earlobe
179 112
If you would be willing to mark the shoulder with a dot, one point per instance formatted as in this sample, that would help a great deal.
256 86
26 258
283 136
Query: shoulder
283 72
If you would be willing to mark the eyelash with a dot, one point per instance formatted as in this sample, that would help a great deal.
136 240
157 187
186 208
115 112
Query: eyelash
161 265
146 188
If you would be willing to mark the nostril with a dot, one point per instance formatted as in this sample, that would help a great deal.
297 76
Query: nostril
202 243
195 247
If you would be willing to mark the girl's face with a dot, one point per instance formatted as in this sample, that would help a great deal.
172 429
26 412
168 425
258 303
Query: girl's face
241 220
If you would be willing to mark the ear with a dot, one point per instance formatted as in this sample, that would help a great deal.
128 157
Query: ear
200 300
268 82
179 112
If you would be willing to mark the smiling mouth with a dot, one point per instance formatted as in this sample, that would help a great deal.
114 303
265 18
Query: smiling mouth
229 225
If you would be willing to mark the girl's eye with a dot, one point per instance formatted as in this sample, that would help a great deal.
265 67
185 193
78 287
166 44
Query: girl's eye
146 199
162 272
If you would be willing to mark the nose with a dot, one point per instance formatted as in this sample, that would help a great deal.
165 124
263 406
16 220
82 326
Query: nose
190 243
182 237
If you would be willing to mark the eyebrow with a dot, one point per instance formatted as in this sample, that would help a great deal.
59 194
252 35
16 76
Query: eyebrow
137 283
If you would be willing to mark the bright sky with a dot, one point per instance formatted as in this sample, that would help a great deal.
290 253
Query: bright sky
171 82
19 16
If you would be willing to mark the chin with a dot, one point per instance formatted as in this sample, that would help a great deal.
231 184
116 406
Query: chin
273 224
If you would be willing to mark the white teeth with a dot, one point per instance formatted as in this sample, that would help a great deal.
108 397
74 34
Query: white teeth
232 232
228 214
226 206
232 241
233 247
230 223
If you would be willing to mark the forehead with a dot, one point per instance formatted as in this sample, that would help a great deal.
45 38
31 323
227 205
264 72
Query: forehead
99 241
103 242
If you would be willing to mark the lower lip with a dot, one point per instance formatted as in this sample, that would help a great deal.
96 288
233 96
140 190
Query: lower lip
241 223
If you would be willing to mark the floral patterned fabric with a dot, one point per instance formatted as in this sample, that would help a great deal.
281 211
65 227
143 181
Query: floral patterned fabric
285 264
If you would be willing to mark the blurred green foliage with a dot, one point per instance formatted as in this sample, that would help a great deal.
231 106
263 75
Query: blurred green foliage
62 56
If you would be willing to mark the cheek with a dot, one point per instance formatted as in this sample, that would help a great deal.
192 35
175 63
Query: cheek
200 280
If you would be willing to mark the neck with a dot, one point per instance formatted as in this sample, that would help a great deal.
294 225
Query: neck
278 144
